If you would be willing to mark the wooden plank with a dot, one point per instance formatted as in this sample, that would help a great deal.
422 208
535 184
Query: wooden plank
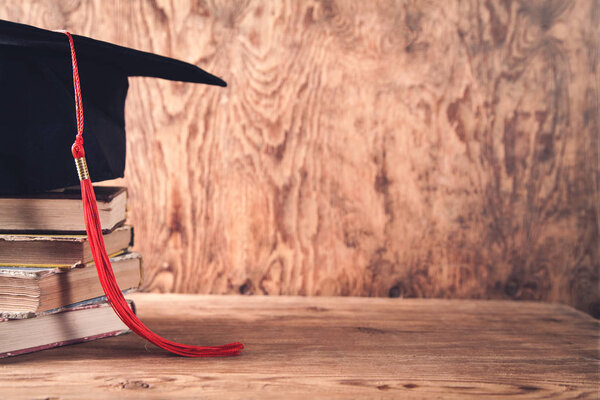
372 148
346 348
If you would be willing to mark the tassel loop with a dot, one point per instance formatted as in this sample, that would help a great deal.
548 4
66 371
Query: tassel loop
77 148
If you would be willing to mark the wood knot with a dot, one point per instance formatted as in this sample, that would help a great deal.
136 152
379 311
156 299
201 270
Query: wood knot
382 182
527 388
317 309
134 385
247 287
398 290
511 288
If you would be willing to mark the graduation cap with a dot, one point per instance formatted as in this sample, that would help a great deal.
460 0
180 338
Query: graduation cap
36 104
46 78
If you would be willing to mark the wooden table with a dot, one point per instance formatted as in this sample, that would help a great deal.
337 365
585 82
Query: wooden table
329 348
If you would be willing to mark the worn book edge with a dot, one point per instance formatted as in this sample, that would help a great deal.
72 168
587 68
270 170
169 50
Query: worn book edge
75 307
83 239
36 271
64 343
90 303
108 197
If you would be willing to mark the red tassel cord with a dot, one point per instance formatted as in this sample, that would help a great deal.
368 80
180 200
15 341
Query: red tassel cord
105 273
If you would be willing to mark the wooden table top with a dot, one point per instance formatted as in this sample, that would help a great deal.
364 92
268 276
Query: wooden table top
328 348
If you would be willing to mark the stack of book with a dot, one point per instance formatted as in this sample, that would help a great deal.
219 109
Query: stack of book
50 294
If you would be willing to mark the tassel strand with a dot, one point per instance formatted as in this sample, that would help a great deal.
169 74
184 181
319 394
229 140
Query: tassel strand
105 272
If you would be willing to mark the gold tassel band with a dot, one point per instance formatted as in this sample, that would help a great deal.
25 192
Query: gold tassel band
82 169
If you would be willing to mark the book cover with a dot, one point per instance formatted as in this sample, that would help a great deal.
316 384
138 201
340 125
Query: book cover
61 210
60 251
26 291
81 322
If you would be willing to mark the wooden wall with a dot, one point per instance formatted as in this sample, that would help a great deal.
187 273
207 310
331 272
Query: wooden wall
371 148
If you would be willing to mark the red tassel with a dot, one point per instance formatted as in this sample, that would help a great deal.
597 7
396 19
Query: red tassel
105 273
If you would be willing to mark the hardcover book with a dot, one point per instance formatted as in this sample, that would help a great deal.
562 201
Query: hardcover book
61 251
25 292
60 210
81 322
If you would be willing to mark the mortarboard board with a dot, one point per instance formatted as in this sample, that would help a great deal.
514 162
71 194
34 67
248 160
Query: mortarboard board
36 104
41 109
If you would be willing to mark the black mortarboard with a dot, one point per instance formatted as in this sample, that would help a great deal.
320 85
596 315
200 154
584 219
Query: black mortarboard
37 118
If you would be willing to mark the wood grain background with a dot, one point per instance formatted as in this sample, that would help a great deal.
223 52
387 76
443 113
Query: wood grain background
378 148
